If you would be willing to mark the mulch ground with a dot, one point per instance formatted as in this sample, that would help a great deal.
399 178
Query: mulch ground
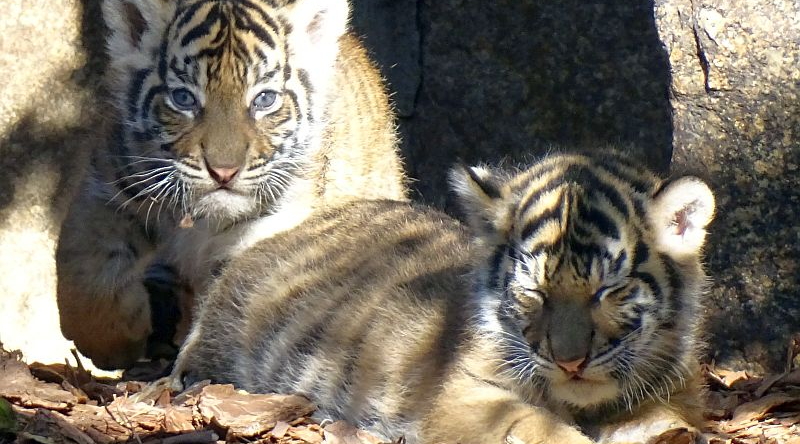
55 404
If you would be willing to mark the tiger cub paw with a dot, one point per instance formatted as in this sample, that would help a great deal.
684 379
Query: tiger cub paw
557 433
112 331
665 431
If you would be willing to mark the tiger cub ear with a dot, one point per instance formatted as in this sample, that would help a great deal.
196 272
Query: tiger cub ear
128 20
680 212
481 194
314 37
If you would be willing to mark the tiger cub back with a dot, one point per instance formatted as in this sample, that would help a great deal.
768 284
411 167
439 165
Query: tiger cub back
573 301
238 118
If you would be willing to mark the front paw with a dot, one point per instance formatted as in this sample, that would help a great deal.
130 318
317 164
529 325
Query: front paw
547 433
665 431
164 288
111 330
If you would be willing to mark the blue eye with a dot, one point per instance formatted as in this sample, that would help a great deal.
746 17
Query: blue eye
183 99
264 101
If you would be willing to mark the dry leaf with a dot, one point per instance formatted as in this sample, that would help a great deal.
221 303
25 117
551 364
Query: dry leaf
137 416
249 415
280 429
178 419
56 427
341 432
680 435
755 410
19 387
730 378
306 434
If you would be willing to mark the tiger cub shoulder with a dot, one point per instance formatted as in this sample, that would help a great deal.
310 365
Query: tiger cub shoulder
568 311
238 118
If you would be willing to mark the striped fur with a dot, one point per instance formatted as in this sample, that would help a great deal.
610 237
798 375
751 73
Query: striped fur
391 316
241 116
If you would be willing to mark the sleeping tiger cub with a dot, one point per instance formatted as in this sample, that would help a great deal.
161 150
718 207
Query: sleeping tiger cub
239 117
567 313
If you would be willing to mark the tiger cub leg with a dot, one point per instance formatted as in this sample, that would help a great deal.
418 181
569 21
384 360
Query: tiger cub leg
650 428
682 416
104 306
473 411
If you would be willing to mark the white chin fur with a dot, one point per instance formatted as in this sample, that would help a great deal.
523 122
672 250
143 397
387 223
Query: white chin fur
584 393
223 204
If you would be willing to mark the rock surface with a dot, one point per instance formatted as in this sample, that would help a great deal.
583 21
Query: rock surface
504 79
736 100
44 108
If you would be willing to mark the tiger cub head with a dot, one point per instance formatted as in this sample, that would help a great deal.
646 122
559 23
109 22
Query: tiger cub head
219 102
592 279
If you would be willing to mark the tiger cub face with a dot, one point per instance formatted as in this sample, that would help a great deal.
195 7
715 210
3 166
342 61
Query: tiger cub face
220 102
593 278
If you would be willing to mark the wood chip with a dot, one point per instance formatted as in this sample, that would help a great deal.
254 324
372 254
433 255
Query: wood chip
341 432
756 410
248 415
280 429
179 419
20 387
53 425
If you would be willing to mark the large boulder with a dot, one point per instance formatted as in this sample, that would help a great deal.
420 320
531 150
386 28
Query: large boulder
504 79
46 98
736 101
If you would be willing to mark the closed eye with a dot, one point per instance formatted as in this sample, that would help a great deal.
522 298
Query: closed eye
608 290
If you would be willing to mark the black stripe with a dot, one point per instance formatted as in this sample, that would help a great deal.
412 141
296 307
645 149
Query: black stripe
601 221
188 14
675 283
651 282
135 89
148 100
532 198
202 29
552 214
638 182
641 255
496 264
244 23
245 8
600 188
616 267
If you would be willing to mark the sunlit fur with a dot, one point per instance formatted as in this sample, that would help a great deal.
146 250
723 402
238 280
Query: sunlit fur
188 138
578 269
392 317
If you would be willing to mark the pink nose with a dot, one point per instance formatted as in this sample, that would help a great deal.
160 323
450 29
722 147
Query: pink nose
571 367
222 176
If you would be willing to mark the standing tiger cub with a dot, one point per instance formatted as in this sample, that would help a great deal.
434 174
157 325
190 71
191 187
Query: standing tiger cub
239 117
567 314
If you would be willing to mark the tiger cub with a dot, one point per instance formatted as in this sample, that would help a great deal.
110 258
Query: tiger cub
236 117
567 313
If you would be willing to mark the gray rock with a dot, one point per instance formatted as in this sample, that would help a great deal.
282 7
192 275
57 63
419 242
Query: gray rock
47 98
505 79
391 29
736 100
